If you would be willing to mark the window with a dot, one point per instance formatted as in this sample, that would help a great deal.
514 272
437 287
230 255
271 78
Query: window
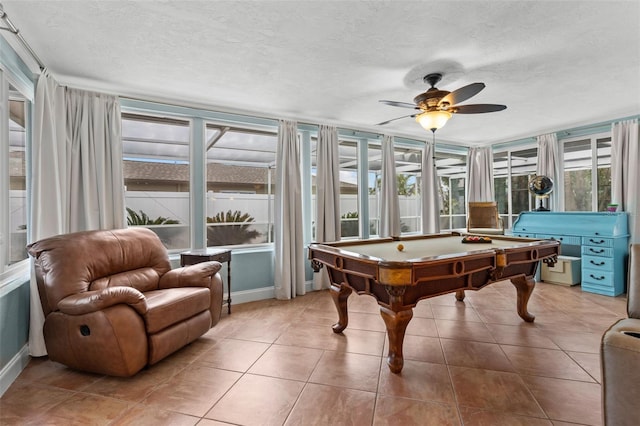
374 174
512 171
587 173
578 166
603 173
452 169
13 178
408 162
240 185
156 176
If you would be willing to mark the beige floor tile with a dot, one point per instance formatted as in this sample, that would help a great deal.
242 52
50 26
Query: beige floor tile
589 362
418 380
567 400
257 400
192 398
137 387
408 412
423 309
142 415
232 354
509 316
488 356
521 334
577 342
366 321
419 326
478 417
287 362
23 400
459 312
464 330
103 410
545 362
347 370
420 348
54 374
494 391
328 405
322 337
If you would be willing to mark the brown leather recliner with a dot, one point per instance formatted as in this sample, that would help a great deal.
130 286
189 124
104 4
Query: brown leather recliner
112 303
620 356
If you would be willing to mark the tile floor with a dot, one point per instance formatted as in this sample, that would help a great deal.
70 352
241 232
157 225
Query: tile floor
278 363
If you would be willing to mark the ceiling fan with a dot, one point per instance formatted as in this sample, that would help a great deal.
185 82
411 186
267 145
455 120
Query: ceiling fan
436 106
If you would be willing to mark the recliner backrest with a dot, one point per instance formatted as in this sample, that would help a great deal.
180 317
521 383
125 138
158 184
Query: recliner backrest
90 260
483 214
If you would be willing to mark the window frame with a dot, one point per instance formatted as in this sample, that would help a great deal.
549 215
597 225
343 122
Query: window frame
7 79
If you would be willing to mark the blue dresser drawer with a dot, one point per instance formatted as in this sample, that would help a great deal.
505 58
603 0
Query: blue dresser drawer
564 239
596 276
605 289
598 263
597 241
597 251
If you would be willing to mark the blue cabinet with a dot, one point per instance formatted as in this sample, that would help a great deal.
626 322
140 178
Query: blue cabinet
601 239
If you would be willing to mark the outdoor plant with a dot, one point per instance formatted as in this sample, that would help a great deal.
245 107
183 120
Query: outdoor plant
349 228
141 218
239 232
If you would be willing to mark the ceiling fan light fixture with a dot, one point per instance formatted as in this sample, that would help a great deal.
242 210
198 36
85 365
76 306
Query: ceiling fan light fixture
433 120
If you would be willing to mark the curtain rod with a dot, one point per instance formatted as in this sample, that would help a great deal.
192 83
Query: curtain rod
13 30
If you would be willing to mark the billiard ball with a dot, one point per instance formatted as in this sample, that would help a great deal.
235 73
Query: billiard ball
400 247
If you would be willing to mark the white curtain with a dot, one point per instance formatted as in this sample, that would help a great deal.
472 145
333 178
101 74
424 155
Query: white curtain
289 244
96 179
430 191
550 165
327 194
389 202
77 181
625 178
480 174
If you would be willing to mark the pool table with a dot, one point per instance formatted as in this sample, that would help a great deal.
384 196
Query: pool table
400 271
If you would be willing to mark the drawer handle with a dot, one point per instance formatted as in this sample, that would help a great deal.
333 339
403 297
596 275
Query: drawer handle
596 242
597 278
596 263
596 251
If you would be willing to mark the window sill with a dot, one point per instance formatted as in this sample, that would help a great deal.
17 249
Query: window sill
16 275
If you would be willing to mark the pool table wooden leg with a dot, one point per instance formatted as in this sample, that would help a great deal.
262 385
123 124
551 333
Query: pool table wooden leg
396 323
459 295
340 294
524 287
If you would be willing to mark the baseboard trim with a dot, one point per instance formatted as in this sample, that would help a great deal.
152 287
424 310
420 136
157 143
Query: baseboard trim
12 370
256 294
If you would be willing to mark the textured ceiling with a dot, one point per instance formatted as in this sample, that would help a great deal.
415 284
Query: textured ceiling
555 64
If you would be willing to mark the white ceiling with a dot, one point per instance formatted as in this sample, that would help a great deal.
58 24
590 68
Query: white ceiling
555 64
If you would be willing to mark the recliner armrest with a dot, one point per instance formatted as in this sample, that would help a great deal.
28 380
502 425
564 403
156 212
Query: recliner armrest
92 301
198 275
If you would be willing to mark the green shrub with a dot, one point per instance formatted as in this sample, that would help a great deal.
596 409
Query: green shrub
230 234
136 219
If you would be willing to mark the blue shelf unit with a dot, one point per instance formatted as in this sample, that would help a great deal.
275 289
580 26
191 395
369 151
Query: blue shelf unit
600 239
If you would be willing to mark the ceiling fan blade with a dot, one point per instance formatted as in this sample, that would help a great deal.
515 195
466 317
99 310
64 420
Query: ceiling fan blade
394 119
462 94
400 104
478 108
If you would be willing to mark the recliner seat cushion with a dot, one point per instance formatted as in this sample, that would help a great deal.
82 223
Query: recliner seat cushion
169 306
